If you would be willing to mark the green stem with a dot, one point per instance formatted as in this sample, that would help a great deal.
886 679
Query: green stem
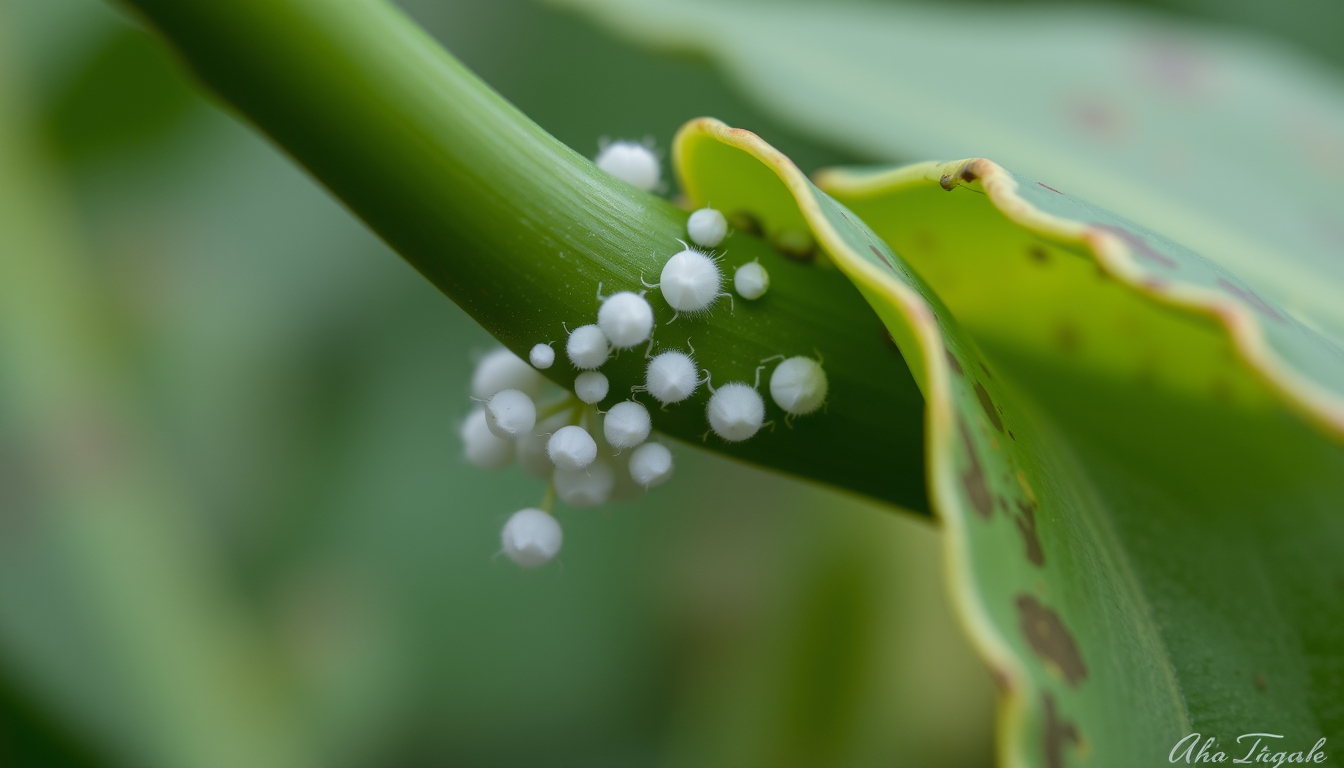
518 229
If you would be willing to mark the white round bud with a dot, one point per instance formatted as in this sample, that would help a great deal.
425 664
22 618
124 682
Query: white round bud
690 281
671 377
707 227
736 412
751 281
510 413
631 162
587 347
651 464
591 386
531 447
531 538
571 448
798 385
585 487
480 445
501 369
626 425
626 319
542 356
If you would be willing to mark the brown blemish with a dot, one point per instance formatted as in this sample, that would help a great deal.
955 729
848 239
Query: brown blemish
1058 732
1260 681
746 221
1250 298
879 255
1010 434
973 477
1052 189
1137 245
953 362
946 182
1039 254
988 406
1026 524
968 175
985 368
1050 639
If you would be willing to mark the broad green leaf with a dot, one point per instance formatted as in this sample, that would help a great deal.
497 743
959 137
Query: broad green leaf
1224 143
1136 561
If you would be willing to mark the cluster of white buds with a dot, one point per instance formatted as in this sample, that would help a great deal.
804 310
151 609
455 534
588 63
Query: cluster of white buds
591 456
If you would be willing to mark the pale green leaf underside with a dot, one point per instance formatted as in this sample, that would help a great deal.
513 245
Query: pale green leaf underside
1136 560
1227 145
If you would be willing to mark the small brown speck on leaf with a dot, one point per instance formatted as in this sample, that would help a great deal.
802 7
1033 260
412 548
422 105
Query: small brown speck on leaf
880 256
1050 639
985 368
953 362
1026 524
1039 254
1052 189
973 477
988 406
968 175
1010 434
1058 732
1260 681
946 182
887 338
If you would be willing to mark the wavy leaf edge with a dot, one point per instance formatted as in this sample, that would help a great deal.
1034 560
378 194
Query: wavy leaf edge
1316 404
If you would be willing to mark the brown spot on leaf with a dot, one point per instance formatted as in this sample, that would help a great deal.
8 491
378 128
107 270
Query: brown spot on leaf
988 406
1052 189
953 362
1010 434
1251 298
1050 639
968 175
1026 525
887 338
1058 733
1260 681
973 477
879 255
985 368
946 182
1038 253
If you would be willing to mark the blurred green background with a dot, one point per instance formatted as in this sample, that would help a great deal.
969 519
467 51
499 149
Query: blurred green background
318 586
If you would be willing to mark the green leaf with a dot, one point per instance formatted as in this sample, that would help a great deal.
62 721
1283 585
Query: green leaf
1224 143
1135 559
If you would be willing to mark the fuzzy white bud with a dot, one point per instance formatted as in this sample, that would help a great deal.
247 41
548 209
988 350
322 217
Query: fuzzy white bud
707 227
626 425
531 538
751 281
631 162
531 447
501 369
736 412
482 448
571 448
671 377
591 387
510 414
542 356
587 347
588 487
690 281
651 464
626 319
799 385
